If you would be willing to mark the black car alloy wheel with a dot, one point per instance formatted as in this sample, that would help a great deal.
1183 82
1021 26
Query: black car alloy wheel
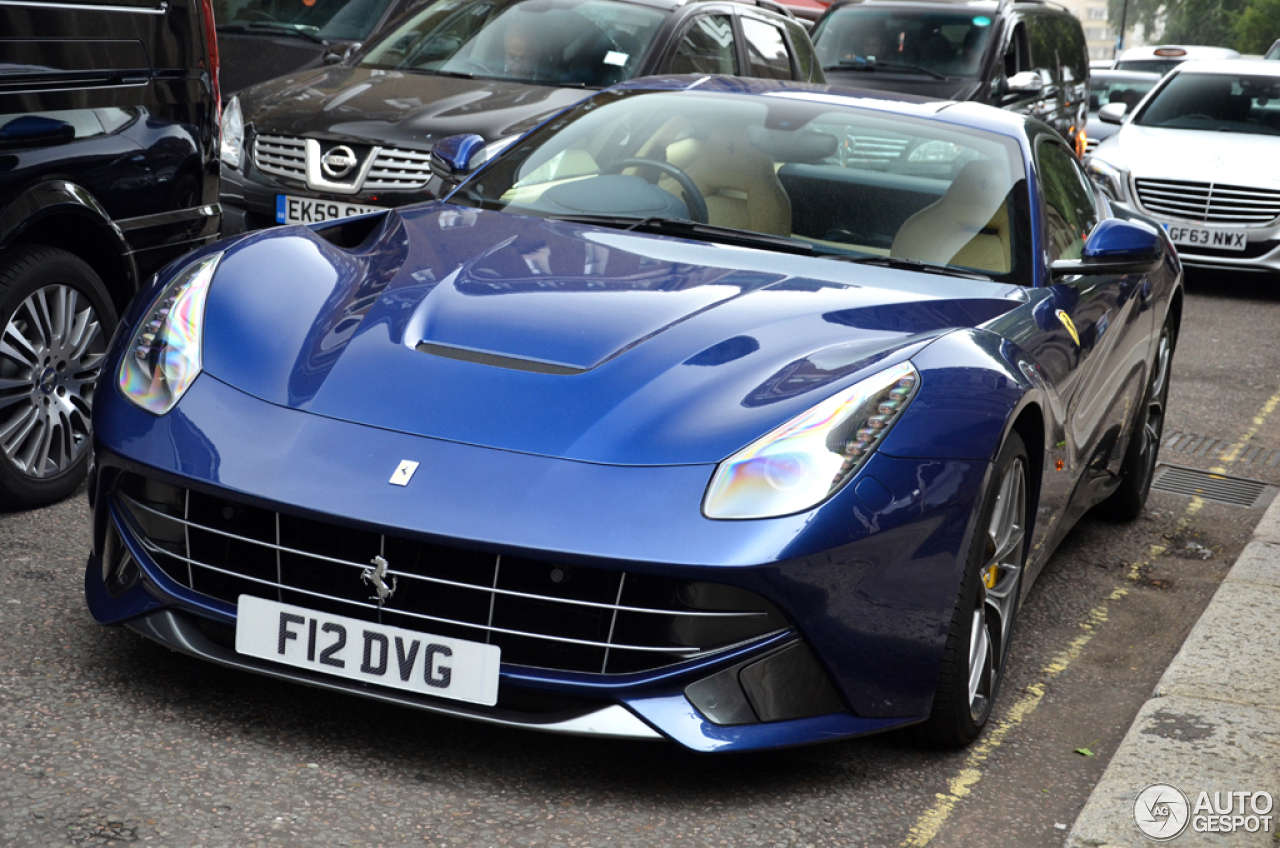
55 321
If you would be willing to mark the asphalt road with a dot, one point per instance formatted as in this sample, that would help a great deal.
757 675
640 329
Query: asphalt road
108 739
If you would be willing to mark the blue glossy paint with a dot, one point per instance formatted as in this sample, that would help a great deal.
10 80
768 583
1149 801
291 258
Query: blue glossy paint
1114 239
678 356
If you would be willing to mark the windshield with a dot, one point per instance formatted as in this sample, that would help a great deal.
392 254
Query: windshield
949 43
550 42
1129 92
1221 102
349 20
805 175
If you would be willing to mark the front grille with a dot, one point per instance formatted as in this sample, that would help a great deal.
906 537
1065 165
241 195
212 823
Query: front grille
1209 203
1091 144
283 156
861 150
398 170
541 614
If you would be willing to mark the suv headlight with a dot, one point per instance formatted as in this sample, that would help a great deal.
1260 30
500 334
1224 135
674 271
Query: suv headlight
808 459
163 358
232 133
1112 179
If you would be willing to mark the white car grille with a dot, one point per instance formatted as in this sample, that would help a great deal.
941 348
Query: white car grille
393 169
1210 203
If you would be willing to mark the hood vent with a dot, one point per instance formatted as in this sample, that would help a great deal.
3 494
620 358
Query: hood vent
497 361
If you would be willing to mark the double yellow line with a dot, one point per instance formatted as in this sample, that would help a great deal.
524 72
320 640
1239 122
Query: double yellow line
931 822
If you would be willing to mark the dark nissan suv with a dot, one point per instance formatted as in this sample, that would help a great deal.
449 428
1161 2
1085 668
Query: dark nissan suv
357 137
108 170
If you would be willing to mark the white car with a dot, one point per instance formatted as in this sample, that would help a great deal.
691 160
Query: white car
1161 58
1201 154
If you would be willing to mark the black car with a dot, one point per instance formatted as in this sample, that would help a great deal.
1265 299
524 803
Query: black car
1026 55
108 170
263 39
347 139
1127 87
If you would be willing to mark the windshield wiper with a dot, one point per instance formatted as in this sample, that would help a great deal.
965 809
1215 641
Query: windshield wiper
274 26
859 64
692 229
903 264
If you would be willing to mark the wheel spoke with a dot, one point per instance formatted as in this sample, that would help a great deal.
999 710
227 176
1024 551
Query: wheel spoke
979 653
16 347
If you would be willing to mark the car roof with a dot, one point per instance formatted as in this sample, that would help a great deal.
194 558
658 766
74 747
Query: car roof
1230 67
1130 76
1190 51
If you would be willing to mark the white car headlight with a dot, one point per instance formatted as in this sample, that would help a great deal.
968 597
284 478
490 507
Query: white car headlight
1112 179
808 459
232 133
164 358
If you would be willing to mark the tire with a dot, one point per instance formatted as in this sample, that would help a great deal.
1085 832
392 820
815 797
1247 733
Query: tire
977 648
1139 464
55 321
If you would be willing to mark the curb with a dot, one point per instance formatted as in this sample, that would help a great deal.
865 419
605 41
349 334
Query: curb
1213 722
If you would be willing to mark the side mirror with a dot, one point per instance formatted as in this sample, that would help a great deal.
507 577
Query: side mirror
1026 82
454 158
1116 247
1113 113
334 58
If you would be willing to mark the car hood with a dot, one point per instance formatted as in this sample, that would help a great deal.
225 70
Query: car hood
413 109
1198 155
561 339
252 56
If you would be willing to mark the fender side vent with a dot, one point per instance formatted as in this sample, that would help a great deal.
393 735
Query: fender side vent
497 361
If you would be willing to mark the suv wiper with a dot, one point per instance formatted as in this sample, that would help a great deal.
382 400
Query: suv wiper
858 64
274 26
692 229
903 264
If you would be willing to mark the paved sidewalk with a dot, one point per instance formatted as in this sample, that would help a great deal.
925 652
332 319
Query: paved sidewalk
1213 722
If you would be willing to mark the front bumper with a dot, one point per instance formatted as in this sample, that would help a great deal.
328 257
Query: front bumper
873 609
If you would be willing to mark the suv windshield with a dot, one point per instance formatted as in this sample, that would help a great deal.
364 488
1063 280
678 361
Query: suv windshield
350 20
1222 102
803 176
550 42
948 43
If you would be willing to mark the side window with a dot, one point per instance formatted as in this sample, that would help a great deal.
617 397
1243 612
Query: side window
707 48
1017 56
1070 213
767 53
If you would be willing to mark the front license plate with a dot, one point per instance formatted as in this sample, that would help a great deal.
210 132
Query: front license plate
311 210
372 653
1202 237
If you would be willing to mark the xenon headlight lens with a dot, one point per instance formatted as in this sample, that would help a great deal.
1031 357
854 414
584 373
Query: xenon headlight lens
163 358
1111 178
806 460
232 133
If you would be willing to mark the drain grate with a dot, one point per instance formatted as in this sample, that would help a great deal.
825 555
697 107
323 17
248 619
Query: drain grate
1192 444
1219 488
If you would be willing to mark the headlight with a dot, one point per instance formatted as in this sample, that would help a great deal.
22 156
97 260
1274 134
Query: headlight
808 459
232 133
1112 179
163 358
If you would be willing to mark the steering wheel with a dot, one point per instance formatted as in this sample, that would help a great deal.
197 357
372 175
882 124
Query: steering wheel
470 66
693 199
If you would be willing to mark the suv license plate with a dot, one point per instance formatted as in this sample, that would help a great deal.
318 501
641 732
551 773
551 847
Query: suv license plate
311 210
367 652
1202 237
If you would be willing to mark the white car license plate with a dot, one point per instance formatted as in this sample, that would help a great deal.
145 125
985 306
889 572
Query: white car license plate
1202 237
311 210
371 653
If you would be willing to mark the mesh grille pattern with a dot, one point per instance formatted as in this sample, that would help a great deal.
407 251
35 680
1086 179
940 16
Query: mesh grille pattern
542 614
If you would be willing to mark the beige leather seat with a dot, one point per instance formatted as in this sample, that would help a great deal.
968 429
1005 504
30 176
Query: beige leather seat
968 226
740 186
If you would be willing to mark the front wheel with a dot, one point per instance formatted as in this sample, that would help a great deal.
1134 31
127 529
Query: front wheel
977 647
55 321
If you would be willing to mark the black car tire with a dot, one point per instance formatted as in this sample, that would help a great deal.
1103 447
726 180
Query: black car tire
959 713
49 363
1139 464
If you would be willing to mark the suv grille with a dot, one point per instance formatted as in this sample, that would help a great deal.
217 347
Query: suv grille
542 614
1209 203
281 155
393 169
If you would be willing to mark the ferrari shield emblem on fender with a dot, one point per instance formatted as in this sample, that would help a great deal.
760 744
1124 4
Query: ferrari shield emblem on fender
404 471
1066 322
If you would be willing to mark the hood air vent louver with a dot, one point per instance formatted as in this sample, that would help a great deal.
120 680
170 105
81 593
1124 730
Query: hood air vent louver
497 361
